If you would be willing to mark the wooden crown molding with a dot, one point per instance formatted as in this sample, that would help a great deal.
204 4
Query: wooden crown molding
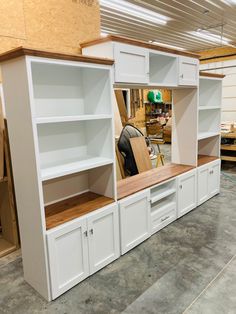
139 43
22 51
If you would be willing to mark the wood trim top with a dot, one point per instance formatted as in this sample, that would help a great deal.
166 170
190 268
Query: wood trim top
204 159
22 51
149 178
74 207
206 74
139 43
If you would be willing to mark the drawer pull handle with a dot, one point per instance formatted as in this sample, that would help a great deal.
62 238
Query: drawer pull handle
163 219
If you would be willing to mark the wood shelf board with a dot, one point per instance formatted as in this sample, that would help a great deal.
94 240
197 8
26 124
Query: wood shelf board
23 51
214 75
228 158
74 207
228 147
73 166
4 179
204 159
138 43
209 108
6 247
149 178
229 135
58 119
203 135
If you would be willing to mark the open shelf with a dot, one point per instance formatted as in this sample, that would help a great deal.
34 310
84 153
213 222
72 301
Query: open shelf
162 194
163 205
58 119
210 93
65 90
71 166
209 146
74 207
209 108
6 247
205 159
204 135
163 69
70 147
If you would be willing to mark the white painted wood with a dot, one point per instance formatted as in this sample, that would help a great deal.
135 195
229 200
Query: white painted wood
210 92
2 101
68 255
207 134
209 145
163 69
187 192
26 172
188 71
162 190
214 178
184 126
72 118
202 183
131 64
103 50
135 224
163 217
103 232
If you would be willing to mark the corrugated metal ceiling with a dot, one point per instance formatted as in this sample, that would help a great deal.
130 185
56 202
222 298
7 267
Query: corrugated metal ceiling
185 16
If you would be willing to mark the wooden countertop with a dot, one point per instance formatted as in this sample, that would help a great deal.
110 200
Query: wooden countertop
149 178
203 159
138 43
22 51
144 180
214 75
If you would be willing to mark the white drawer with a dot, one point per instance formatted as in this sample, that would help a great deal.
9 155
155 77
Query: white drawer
162 218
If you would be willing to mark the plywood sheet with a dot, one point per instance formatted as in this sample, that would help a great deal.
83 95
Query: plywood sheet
141 155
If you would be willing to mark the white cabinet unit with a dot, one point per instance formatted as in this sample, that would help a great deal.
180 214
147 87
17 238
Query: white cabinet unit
103 233
208 181
188 71
187 192
82 247
163 205
68 256
132 64
134 220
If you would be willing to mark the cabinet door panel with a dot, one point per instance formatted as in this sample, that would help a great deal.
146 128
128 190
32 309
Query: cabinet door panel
68 256
203 183
103 229
187 192
131 64
188 71
214 179
135 220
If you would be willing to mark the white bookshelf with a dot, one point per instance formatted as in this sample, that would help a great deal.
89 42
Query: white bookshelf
210 93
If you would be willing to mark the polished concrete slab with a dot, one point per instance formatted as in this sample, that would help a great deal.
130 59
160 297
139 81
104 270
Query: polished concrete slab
168 273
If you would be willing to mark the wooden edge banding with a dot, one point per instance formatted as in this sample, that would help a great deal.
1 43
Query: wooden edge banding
21 51
207 74
139 43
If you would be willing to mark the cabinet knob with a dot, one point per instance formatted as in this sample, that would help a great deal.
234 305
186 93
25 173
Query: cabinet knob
181 186
91 231
182 76
86 233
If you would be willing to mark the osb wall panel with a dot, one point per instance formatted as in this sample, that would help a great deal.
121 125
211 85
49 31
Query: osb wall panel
221 52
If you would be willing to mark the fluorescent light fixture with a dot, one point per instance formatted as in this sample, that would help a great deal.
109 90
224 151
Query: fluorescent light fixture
229 1
166 45
103 34
207 36
134 10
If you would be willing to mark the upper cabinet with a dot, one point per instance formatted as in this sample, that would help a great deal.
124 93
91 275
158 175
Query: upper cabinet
188 71
138 62
132 64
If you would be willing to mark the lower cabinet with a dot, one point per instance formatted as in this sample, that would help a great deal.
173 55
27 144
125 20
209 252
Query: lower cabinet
81 247
187 192
208 181
135 220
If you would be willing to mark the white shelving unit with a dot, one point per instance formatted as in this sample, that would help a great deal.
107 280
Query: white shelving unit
209 115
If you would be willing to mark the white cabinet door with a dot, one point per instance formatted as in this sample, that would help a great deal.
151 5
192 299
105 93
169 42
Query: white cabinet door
188 71
135 220
187 192
202 184
103 231
214 178
131 64
68 256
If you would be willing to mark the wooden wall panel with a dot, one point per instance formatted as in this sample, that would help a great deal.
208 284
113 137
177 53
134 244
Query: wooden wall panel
218 54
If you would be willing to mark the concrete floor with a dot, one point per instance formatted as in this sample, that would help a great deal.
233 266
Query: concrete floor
189 267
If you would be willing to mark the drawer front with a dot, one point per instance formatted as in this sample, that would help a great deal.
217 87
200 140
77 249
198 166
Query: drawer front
163 217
